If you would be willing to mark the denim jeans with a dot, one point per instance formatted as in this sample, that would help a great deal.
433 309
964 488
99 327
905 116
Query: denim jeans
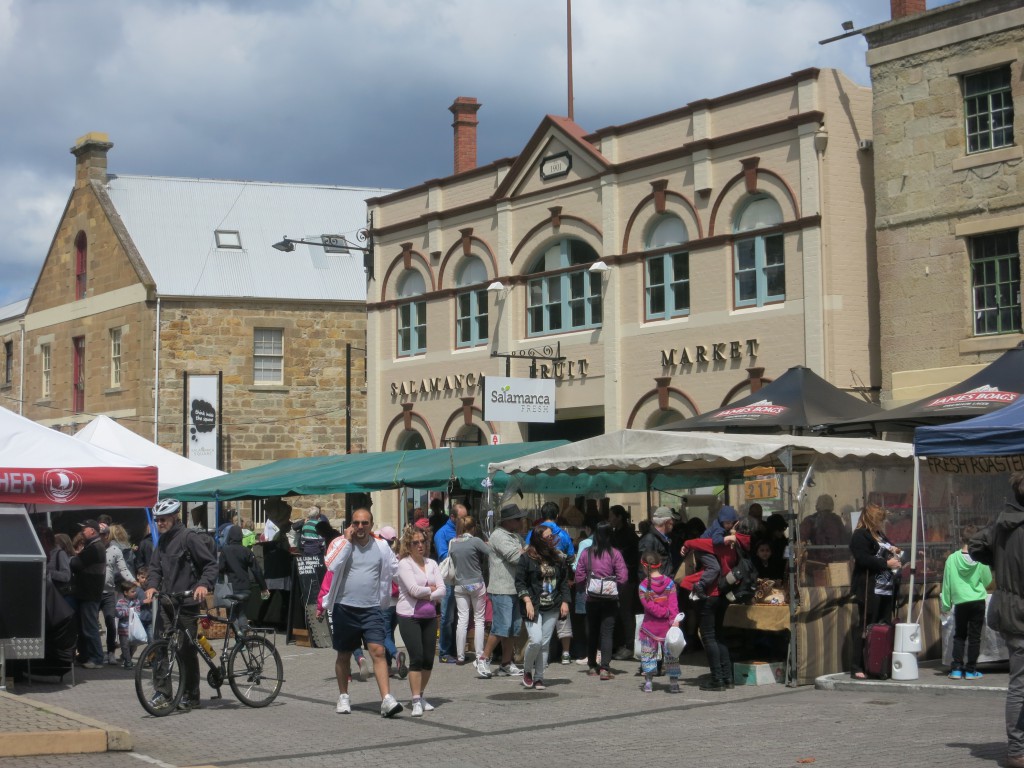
390 622
535 655
445 642
89 646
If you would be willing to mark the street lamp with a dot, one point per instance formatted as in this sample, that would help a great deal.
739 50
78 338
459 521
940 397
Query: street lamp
336 244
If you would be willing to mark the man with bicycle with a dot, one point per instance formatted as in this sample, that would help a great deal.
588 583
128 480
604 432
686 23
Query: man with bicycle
183 561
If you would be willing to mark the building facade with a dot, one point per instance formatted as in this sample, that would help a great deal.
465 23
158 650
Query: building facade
672 265
949 189
150 279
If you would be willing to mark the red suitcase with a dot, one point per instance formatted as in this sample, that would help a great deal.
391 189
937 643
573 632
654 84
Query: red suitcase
879 641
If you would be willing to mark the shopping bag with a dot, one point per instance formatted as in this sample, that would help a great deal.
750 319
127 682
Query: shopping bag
136 631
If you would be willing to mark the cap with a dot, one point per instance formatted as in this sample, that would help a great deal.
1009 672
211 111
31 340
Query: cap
422 523
90 524
511 512
387 532
661 515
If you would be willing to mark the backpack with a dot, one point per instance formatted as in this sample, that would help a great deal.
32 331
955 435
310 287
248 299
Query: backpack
129 559
740 584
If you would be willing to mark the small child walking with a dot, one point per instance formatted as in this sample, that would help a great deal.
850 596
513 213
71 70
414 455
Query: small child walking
126 603
964 588
661 611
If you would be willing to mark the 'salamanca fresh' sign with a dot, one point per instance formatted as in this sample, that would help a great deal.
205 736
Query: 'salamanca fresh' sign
508 399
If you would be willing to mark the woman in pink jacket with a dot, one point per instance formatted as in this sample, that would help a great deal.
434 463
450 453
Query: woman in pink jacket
420 589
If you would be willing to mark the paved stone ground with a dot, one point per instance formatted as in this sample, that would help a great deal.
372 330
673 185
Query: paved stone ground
577 721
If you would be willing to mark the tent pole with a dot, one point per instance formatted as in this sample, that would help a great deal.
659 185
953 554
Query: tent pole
792 530
913 536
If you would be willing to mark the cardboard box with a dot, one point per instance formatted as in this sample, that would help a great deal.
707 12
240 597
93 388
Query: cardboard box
759 672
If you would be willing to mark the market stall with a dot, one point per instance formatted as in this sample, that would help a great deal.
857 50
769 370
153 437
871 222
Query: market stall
820 617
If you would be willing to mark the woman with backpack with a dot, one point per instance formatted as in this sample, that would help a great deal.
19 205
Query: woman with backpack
239 564
542 584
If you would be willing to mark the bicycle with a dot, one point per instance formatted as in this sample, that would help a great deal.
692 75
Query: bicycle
251 666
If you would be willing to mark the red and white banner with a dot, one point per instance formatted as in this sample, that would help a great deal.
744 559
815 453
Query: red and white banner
79 486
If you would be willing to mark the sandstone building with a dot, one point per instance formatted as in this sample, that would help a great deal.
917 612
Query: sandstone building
150 278
949 189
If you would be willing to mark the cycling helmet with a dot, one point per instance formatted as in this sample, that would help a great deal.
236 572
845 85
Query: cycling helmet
167 507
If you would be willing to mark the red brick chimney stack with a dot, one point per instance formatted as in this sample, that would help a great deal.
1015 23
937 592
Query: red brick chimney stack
901 8
464 108
90 153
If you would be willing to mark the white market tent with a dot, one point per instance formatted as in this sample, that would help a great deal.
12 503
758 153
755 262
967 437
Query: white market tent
637 450
173 470
654 454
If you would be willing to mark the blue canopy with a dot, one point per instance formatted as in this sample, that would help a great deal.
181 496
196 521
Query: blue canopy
998 433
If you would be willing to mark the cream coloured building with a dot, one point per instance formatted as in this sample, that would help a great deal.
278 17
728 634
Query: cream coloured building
732 240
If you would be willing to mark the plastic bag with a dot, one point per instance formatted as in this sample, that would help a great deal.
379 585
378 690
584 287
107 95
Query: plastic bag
136 630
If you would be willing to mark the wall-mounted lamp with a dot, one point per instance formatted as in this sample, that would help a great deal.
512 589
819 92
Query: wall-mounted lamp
598 266
336 244
847 26
496 287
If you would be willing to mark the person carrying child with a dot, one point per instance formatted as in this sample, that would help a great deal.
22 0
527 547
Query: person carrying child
127 602
661 611
965 584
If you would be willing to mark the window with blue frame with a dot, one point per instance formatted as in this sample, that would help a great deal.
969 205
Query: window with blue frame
471 305
570 298
412 315
760 263
668 274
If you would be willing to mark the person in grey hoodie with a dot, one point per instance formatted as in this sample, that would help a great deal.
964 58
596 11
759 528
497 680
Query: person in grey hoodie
1001 546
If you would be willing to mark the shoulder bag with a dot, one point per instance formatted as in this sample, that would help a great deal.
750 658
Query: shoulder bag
600 587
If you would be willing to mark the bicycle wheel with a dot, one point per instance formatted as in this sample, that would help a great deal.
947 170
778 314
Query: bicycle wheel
255 672
158 678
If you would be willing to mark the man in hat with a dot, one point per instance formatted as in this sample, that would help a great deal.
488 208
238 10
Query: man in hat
506 545
183 561
657 538
89 569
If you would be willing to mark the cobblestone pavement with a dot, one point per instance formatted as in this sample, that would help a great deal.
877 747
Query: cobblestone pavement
577 721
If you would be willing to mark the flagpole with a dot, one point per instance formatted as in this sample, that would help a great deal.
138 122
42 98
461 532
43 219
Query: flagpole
568 34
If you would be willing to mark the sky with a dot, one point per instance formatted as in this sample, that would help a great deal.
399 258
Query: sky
356 92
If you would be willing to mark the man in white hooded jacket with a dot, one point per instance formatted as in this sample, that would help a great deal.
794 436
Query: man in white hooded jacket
362 568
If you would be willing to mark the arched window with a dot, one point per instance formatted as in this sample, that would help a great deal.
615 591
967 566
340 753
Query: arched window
571 298
81 265
668 273
471 320
412 315
760 264
662 418
410 440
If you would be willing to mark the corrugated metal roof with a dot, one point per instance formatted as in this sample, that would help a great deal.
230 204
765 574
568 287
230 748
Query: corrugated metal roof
173 222
14 309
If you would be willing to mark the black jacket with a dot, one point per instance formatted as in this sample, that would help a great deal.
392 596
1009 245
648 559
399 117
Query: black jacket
529 582
182 561
239 563
656 542
867 563
1001 546
89 571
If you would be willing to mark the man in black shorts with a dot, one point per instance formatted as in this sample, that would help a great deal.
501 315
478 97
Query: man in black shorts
360 593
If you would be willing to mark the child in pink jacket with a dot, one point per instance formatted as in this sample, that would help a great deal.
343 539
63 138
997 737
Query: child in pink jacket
661 611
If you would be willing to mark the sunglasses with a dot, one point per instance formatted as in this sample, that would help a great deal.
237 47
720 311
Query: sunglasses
417 542
358 523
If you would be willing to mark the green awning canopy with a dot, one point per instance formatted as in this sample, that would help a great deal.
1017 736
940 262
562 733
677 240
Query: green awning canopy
430 469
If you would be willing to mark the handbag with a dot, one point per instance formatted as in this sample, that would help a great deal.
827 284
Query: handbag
424 610
600 587
136 631
221 591
447 568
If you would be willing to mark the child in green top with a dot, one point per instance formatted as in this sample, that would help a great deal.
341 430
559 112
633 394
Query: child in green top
964 588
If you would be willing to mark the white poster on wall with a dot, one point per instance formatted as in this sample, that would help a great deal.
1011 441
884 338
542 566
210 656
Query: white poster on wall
507 399
203 420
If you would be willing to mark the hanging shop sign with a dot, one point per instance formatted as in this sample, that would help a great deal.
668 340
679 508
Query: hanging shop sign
509 399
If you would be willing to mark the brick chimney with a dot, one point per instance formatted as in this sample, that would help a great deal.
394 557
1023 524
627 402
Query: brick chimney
464 108
90 153
901 8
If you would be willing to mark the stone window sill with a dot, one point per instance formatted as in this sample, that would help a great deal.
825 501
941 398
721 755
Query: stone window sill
114 391
978 159
997 343
269 388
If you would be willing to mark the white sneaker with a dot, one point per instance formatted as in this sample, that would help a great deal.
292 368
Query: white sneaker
566 659
110 658
513 670
417 708
344 705
483 669
427 706
390 707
